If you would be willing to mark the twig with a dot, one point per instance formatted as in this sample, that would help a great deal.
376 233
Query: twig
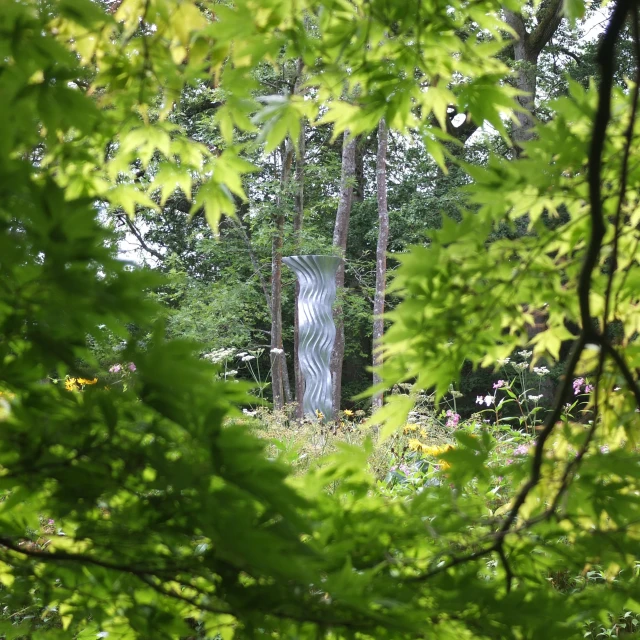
507 567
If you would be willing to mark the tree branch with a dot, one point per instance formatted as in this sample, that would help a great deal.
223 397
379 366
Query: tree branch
207 105
136 232
549 18
624 171
463 131
568 52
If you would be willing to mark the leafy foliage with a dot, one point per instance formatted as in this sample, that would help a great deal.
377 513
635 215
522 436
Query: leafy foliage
151 511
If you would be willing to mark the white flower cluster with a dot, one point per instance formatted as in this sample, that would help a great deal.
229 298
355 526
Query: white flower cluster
525 354
535 398
219 355
488 400
540 371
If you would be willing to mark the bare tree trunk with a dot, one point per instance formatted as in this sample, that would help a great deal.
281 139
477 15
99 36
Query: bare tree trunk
276 311
298 217
381 258
297 240
279 374
359 184
286 385
340 233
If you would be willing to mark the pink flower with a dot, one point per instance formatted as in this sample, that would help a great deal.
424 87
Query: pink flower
588 388
577 385
51 521
499 384
131 366
521 450
116 368
452 419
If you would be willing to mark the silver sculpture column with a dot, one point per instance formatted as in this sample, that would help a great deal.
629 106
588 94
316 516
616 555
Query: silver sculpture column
317 278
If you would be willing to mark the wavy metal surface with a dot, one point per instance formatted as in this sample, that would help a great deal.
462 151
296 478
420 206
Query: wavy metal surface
317 278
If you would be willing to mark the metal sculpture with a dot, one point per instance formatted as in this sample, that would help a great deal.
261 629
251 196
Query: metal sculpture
317 278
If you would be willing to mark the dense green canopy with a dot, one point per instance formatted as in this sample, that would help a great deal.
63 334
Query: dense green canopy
140 505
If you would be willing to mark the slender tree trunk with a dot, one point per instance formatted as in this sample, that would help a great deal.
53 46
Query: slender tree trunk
286 385
359 183
298 219
279 374
276 310
340 233
381 257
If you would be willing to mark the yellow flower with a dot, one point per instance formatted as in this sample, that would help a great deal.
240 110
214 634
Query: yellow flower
319 414
410 428
84 381
429 450
436 451
348 413
70 384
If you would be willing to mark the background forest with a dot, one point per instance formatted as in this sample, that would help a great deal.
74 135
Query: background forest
220 280
474 164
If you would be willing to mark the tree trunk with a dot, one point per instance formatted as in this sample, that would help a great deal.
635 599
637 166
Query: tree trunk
359 184
279 374
526 51
381 258
340 233
298 218
297 240
526 72
276 311
286 385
